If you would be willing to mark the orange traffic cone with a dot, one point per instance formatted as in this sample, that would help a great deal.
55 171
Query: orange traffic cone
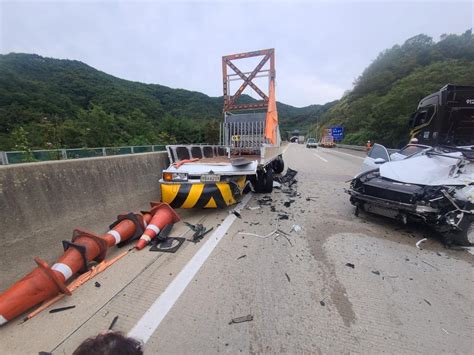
163 214
45 282
40 284
126 228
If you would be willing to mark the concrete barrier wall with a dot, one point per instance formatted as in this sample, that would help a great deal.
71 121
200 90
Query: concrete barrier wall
41 203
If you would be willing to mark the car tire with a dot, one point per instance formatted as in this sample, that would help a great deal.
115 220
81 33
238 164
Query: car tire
465 236
264 181
278 165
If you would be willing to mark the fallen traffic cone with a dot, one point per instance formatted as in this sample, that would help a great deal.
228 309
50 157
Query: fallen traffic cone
40 284
162 214
45 282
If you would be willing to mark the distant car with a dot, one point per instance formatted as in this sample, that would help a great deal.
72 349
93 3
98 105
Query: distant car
378 155
311 143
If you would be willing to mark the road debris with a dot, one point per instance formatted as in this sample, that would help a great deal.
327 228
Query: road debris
253 208
288 178
427 302
56 310
322 303
257 235
289 280
296 228
288 203
113 322
350 265
376 272
199 231
283 234
242 256
236 213
265 200
97 284
418 243
282 216
276 185
247 318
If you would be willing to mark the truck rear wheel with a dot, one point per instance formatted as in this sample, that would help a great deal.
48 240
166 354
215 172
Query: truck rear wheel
278 165
265 181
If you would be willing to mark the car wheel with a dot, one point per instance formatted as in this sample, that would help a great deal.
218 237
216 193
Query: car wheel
278 165
465 236
264 181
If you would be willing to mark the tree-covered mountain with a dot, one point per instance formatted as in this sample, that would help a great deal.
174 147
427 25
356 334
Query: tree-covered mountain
46 103
389 89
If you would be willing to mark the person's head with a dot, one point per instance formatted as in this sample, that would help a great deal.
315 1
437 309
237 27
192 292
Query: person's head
111 343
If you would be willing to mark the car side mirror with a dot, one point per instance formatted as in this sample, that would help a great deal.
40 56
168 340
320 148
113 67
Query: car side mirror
379 161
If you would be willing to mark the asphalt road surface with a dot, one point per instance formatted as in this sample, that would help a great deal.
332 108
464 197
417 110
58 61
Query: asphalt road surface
340 284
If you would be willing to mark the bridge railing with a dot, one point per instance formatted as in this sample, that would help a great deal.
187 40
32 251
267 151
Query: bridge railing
16 157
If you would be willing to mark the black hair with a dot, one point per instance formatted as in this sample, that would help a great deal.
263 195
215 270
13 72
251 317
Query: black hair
112 343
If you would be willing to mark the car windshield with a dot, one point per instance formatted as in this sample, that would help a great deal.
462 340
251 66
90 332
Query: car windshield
311 140
410 150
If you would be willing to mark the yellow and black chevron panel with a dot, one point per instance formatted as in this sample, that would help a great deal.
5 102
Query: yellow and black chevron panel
202 195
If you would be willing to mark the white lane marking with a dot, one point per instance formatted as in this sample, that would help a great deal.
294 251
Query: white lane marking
320 157
116 235
2 320
63 269
338 152
152 318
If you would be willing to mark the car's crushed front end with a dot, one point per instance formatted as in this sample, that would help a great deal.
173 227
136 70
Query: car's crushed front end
436 188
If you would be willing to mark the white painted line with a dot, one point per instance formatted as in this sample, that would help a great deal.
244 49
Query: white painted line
338 152
152 318
320 157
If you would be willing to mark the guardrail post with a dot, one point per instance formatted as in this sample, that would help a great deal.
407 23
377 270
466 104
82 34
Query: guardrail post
4 158
104 152
132 150
64 154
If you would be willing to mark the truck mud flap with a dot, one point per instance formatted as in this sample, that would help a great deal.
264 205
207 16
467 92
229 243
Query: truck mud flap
200 195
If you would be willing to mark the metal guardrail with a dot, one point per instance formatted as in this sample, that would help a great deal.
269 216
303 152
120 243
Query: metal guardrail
363 148
16 157
353 147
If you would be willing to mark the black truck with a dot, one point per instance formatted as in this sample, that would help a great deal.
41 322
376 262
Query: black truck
445 117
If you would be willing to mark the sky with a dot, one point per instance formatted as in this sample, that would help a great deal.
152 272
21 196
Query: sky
321 47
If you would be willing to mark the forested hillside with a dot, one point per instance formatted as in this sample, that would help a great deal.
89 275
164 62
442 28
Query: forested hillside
389 89
52 103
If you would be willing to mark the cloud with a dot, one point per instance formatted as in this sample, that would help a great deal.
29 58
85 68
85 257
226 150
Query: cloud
321 47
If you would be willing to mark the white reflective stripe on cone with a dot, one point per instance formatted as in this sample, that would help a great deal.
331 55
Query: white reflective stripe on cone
146 237
2 320
116 235
63 269
153 228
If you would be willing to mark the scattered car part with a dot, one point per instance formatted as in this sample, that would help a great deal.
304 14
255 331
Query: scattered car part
247 318
418 243
113 323
60 309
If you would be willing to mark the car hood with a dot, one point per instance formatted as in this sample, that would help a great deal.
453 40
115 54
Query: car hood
430 170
